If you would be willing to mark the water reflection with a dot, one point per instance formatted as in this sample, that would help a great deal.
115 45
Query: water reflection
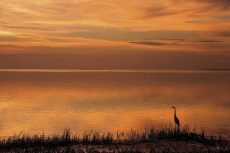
49 102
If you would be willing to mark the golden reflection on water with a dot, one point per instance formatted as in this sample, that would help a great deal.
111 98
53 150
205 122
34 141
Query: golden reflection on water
50 102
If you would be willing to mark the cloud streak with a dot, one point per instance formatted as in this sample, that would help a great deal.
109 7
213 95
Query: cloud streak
220 4
81 22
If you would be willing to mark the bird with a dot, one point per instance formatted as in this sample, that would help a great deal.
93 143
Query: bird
176 120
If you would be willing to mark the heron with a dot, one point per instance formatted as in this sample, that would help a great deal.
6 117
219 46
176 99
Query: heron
176 120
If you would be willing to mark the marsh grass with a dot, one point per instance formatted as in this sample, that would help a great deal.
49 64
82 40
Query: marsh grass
25 141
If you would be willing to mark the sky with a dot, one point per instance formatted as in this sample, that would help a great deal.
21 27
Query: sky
115 34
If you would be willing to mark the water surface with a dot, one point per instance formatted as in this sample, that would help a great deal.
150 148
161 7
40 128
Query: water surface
37 102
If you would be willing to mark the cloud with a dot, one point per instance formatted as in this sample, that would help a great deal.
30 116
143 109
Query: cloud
8 38
161 10
117 34
26 27
60 23
150 43
224 33
174 42
210 41
158 11
221 4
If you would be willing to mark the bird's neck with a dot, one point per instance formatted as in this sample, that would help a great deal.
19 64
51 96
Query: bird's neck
174 111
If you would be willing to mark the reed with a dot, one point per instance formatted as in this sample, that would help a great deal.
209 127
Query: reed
67 140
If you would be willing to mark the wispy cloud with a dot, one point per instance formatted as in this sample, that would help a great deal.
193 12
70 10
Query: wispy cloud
223 33
8 38
151 43
219 4
76 22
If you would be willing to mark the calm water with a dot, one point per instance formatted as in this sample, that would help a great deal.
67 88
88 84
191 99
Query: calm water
49 102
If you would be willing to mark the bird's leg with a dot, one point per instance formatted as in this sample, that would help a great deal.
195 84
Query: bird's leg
178 128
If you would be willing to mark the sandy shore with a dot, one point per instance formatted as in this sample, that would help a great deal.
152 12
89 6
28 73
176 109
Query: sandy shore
145 147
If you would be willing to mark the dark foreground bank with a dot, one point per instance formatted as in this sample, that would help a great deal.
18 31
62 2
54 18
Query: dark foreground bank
163 140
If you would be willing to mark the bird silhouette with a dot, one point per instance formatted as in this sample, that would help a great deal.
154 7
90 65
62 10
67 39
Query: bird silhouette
176 120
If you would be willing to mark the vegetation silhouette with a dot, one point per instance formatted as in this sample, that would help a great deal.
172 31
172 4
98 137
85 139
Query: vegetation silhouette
132 141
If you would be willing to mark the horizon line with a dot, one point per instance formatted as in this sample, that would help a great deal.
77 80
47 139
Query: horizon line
117 70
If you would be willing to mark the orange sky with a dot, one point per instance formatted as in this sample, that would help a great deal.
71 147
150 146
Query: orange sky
172 29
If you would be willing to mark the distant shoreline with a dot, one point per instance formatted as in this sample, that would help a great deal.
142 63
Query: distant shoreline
217 69
114 70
